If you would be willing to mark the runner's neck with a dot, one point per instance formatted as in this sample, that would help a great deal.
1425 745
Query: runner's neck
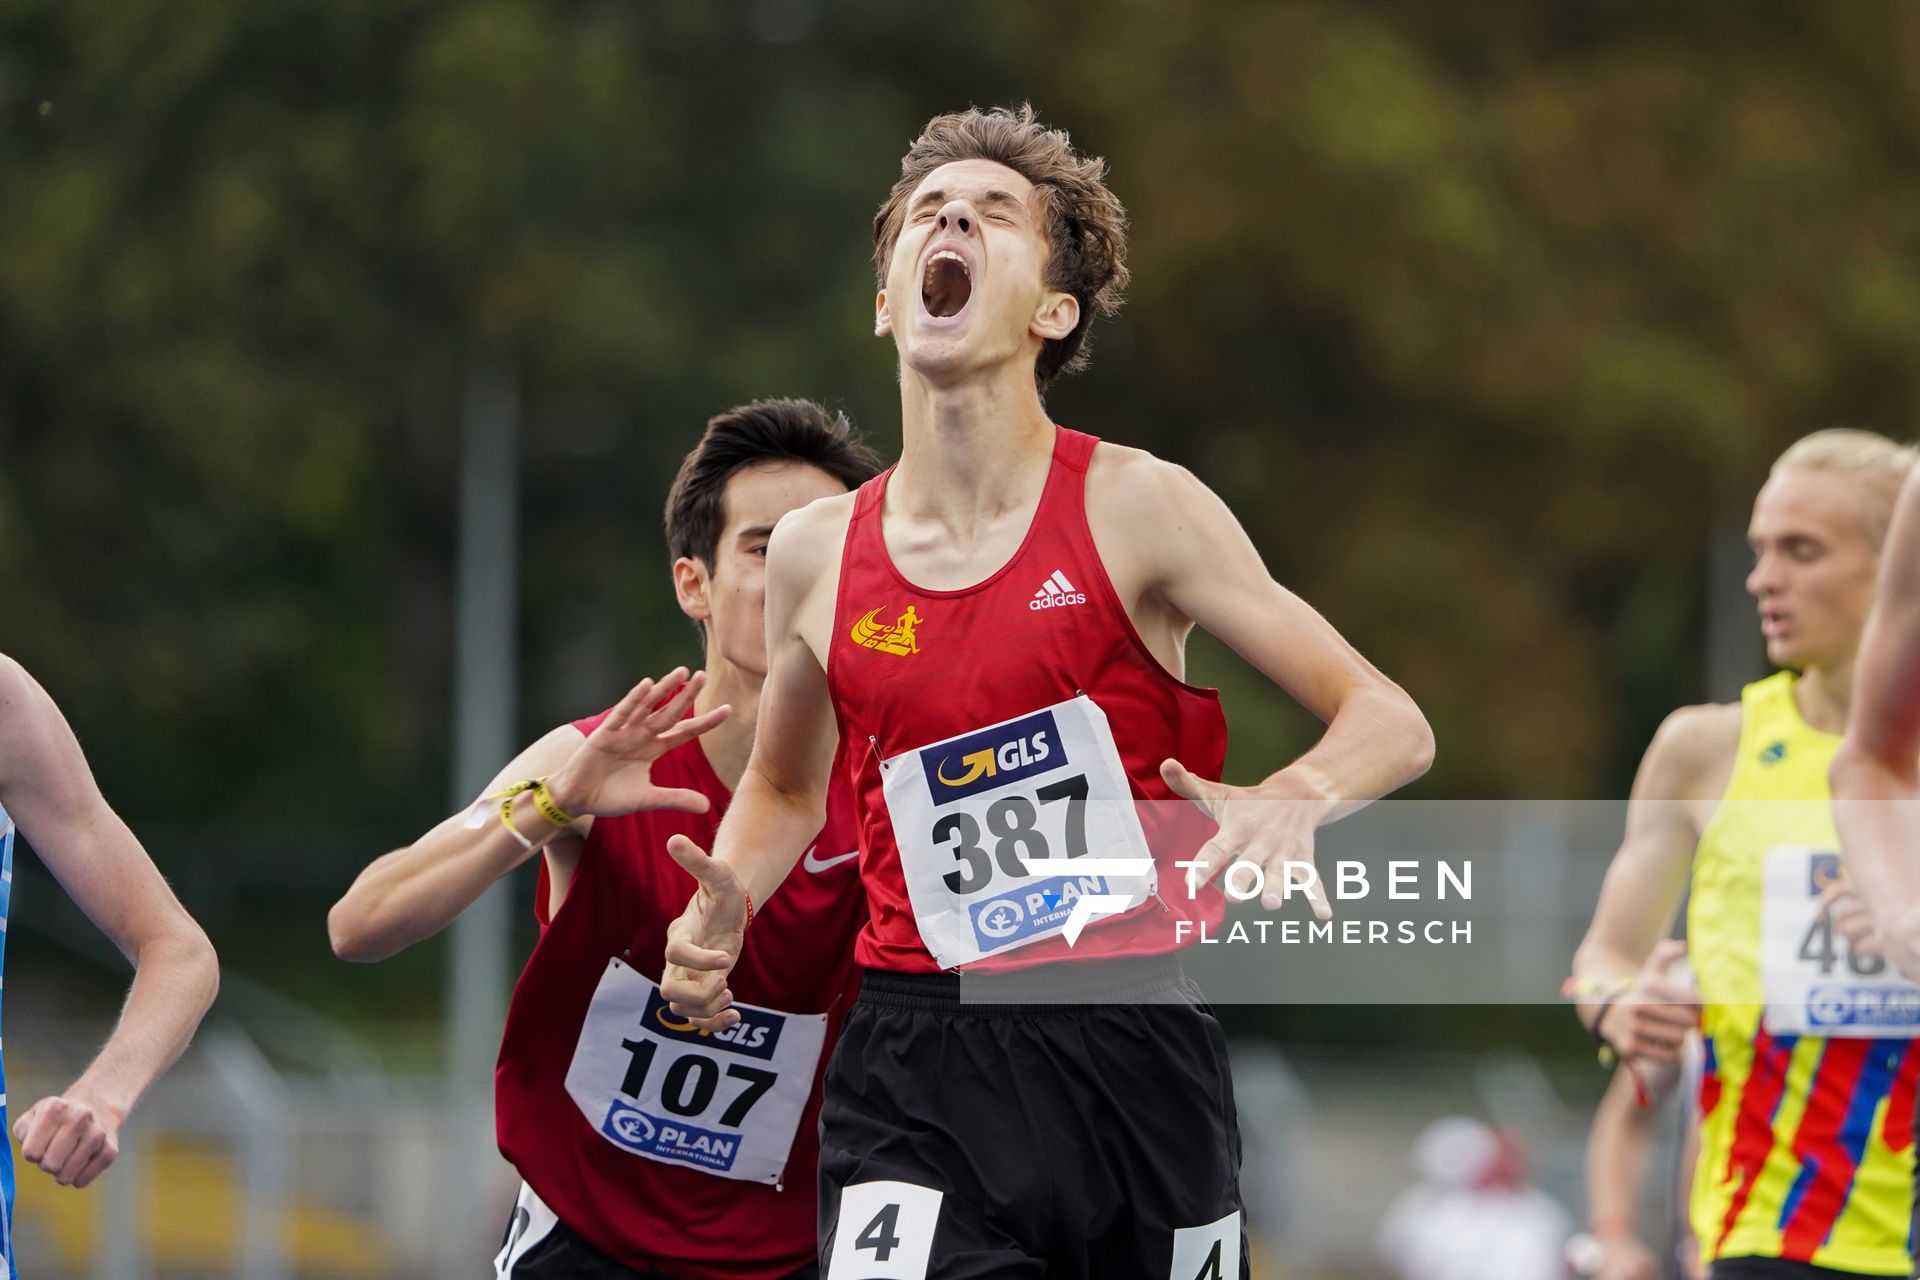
1823 695
970 452
730 743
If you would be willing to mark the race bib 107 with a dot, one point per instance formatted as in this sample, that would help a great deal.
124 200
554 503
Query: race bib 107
726 1102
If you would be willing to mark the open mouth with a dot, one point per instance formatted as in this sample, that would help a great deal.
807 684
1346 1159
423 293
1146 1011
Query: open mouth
947 285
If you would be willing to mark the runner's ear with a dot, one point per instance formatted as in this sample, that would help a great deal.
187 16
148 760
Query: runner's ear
691 578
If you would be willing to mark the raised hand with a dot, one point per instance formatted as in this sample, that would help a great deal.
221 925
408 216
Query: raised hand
611 772
1272 826
70 1137
704 943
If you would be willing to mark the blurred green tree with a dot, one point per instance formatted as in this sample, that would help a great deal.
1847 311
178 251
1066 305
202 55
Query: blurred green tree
1483 321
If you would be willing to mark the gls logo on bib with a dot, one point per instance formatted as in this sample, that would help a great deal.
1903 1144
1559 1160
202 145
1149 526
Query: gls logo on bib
757 1034
993 758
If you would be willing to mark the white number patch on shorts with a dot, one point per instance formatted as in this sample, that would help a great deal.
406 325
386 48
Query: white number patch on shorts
1814 982
995 827
884 1232
725 1103
531 1223
1211 1252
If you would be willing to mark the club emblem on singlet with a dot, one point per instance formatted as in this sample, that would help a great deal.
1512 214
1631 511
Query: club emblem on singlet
888 637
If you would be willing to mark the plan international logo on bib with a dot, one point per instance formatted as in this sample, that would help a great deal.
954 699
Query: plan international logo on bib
993 757
676 1140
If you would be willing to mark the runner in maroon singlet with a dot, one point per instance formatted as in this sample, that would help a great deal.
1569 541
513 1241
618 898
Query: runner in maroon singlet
996 630
649 1148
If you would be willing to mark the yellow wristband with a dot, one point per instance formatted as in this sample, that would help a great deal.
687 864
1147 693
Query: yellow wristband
506 820
514 790
543 801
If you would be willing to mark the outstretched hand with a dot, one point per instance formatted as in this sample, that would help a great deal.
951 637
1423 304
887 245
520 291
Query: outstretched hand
1272 826
611 772
704 944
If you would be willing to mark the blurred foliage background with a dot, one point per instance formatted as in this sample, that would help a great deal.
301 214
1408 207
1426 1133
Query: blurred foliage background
1486 320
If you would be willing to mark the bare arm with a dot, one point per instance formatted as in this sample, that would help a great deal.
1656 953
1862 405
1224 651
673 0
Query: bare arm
47 787
1209 571
1876 774
1617 1152
1644 885
1197 565
781 802
414 892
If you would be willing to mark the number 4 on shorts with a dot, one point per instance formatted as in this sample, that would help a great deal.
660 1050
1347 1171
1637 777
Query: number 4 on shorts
1211 1252
884 1231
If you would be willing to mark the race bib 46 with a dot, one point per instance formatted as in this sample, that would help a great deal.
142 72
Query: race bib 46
1815 984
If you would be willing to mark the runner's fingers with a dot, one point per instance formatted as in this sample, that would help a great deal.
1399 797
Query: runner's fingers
676 798
694 726
1293 871
1191 786
700 865
72 1135
1673 1017
1287 874
624 710
696 959
40 1124
109 1151
1213 855
664 692
91 1139
1642 1038
1857 929
1656 991
674 709
700 996
1666 953
1834 894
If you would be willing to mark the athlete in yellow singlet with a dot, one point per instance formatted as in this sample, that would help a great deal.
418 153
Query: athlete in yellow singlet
1806 1149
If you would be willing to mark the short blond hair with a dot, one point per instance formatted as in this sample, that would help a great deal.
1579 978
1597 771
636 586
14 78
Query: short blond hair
1880 464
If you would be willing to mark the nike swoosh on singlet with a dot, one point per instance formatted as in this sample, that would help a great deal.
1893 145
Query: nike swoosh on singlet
816 865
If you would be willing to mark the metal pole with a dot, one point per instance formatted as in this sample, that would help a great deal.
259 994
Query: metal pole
121 1249
484 674
1734 653
262 1104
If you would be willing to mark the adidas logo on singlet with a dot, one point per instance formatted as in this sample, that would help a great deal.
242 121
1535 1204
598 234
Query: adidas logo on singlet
1056 592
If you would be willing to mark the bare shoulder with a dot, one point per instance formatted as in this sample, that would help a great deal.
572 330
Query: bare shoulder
1152 515
1693 747
807 540
1120 478
15 684
26 713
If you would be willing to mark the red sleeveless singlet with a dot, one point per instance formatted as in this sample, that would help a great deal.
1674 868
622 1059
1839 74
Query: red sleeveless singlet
908 666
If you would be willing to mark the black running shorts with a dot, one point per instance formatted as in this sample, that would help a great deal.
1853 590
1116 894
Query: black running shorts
538 1246
1776 1269
1094 1140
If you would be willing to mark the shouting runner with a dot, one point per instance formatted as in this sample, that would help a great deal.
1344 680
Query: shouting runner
995 631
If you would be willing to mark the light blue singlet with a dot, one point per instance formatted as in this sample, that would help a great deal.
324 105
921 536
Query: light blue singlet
6 1147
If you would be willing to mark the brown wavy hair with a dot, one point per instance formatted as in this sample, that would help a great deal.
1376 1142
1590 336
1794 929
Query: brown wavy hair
1084 223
